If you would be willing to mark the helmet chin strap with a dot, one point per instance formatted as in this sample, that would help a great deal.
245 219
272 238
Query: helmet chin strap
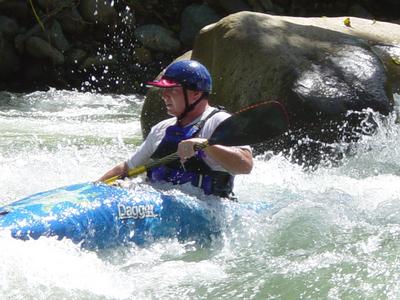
189 107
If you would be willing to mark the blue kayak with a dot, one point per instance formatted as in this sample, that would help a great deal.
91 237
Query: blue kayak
102 216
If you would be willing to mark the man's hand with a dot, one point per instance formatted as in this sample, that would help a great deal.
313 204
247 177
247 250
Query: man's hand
186 148
235 160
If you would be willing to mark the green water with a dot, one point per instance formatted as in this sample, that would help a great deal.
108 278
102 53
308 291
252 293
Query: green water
333 233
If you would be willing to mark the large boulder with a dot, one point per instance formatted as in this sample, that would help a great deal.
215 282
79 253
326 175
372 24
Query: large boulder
312 65
319 68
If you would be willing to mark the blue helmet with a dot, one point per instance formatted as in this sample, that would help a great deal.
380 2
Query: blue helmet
187 73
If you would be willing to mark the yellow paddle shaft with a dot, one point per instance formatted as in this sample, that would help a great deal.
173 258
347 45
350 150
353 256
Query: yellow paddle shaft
131 173
162 161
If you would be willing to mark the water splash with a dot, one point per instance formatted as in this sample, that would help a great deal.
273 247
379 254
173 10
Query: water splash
333 232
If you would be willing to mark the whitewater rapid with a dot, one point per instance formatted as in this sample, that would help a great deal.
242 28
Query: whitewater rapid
333 233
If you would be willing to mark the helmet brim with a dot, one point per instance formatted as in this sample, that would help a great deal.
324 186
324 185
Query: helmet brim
163 83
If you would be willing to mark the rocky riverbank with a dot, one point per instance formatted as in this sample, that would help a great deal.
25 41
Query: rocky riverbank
113 46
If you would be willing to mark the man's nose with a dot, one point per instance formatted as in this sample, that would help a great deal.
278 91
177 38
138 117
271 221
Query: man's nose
163 93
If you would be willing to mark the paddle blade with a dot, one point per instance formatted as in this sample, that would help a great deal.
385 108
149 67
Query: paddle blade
252 125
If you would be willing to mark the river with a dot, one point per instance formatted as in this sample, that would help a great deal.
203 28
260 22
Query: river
334 232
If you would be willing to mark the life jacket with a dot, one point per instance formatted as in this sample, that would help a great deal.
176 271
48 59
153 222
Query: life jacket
195 170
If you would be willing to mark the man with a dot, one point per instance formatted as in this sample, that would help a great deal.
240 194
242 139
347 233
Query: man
186 86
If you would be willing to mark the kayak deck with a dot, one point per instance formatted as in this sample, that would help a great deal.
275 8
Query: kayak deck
102 216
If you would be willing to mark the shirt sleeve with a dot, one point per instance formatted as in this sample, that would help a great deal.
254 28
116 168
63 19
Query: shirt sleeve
150 144
208 130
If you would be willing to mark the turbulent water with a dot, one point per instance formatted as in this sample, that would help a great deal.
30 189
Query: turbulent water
333 233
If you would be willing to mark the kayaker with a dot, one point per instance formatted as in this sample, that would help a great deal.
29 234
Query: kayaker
186 86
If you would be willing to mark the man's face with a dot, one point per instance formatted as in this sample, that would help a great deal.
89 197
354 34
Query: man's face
174 100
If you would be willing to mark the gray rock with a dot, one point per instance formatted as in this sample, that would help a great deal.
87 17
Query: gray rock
193 18
71 21
75 56
19 43
100 12
357 10
35 71
9 62
40 48
142 55
271 57
97 62
55 4
8 26
20 10
56 37
267 5
348 77
157 38
231 6
256 5
20 39
390 55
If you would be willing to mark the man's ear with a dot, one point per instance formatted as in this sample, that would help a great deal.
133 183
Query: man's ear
196 95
